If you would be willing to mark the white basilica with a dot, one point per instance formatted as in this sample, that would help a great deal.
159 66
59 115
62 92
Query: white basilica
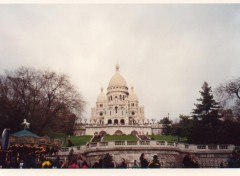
118 112
119 106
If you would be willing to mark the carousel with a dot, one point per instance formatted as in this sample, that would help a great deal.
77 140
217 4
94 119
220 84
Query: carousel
24 143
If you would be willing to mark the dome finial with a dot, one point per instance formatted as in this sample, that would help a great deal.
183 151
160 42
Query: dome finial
117 68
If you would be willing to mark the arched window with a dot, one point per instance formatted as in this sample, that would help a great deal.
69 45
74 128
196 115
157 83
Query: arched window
102 133
122 121
118 132
120 97
134 132
116 121
130 121
109 121
116 109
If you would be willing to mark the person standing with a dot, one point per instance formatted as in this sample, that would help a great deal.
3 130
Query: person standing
108 161
143 161
194 163
186 163
73 164
154 163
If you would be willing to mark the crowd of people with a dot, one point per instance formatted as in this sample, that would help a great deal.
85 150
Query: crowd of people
190 161
31 160
234 159
72 161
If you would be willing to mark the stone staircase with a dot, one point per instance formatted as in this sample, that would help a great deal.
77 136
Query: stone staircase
97 138
143 138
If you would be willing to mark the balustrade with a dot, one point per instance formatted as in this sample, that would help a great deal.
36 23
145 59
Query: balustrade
223 147
212 147
152 143
119 142
103 144
144 143
132 143
170 143
160 142
201 147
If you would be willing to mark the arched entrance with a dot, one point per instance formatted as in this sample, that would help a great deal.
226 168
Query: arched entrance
134 132
130 120
122 122
102 133
118 132
109 121
116 121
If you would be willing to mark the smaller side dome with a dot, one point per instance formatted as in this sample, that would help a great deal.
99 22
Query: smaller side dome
101 97
132 96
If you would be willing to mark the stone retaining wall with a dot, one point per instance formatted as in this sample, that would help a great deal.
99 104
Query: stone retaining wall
170 154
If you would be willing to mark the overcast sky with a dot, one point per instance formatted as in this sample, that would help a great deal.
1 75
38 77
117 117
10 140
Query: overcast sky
165 51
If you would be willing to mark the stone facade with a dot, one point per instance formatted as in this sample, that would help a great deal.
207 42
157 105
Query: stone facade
124 129
118 111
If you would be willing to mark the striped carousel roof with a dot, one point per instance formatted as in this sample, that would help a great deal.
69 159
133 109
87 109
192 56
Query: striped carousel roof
24 133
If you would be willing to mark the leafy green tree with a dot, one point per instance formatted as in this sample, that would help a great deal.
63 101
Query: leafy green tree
183 127
206 118
207 104
167 126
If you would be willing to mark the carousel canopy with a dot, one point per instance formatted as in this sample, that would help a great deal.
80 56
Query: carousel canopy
24 133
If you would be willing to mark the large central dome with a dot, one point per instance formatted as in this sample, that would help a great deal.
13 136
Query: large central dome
117 80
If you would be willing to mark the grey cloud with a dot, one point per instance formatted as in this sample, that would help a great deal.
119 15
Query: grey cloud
164 51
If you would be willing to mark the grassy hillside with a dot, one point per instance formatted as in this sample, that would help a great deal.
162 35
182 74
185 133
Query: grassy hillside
80 140
76 140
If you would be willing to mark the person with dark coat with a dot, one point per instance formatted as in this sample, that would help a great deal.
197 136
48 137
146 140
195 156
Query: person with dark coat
98 164
187 161
95 165
154 163
108 161
143 161
194 162
233 160
57 163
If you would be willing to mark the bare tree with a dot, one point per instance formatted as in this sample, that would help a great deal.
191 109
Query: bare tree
46 99
229 95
